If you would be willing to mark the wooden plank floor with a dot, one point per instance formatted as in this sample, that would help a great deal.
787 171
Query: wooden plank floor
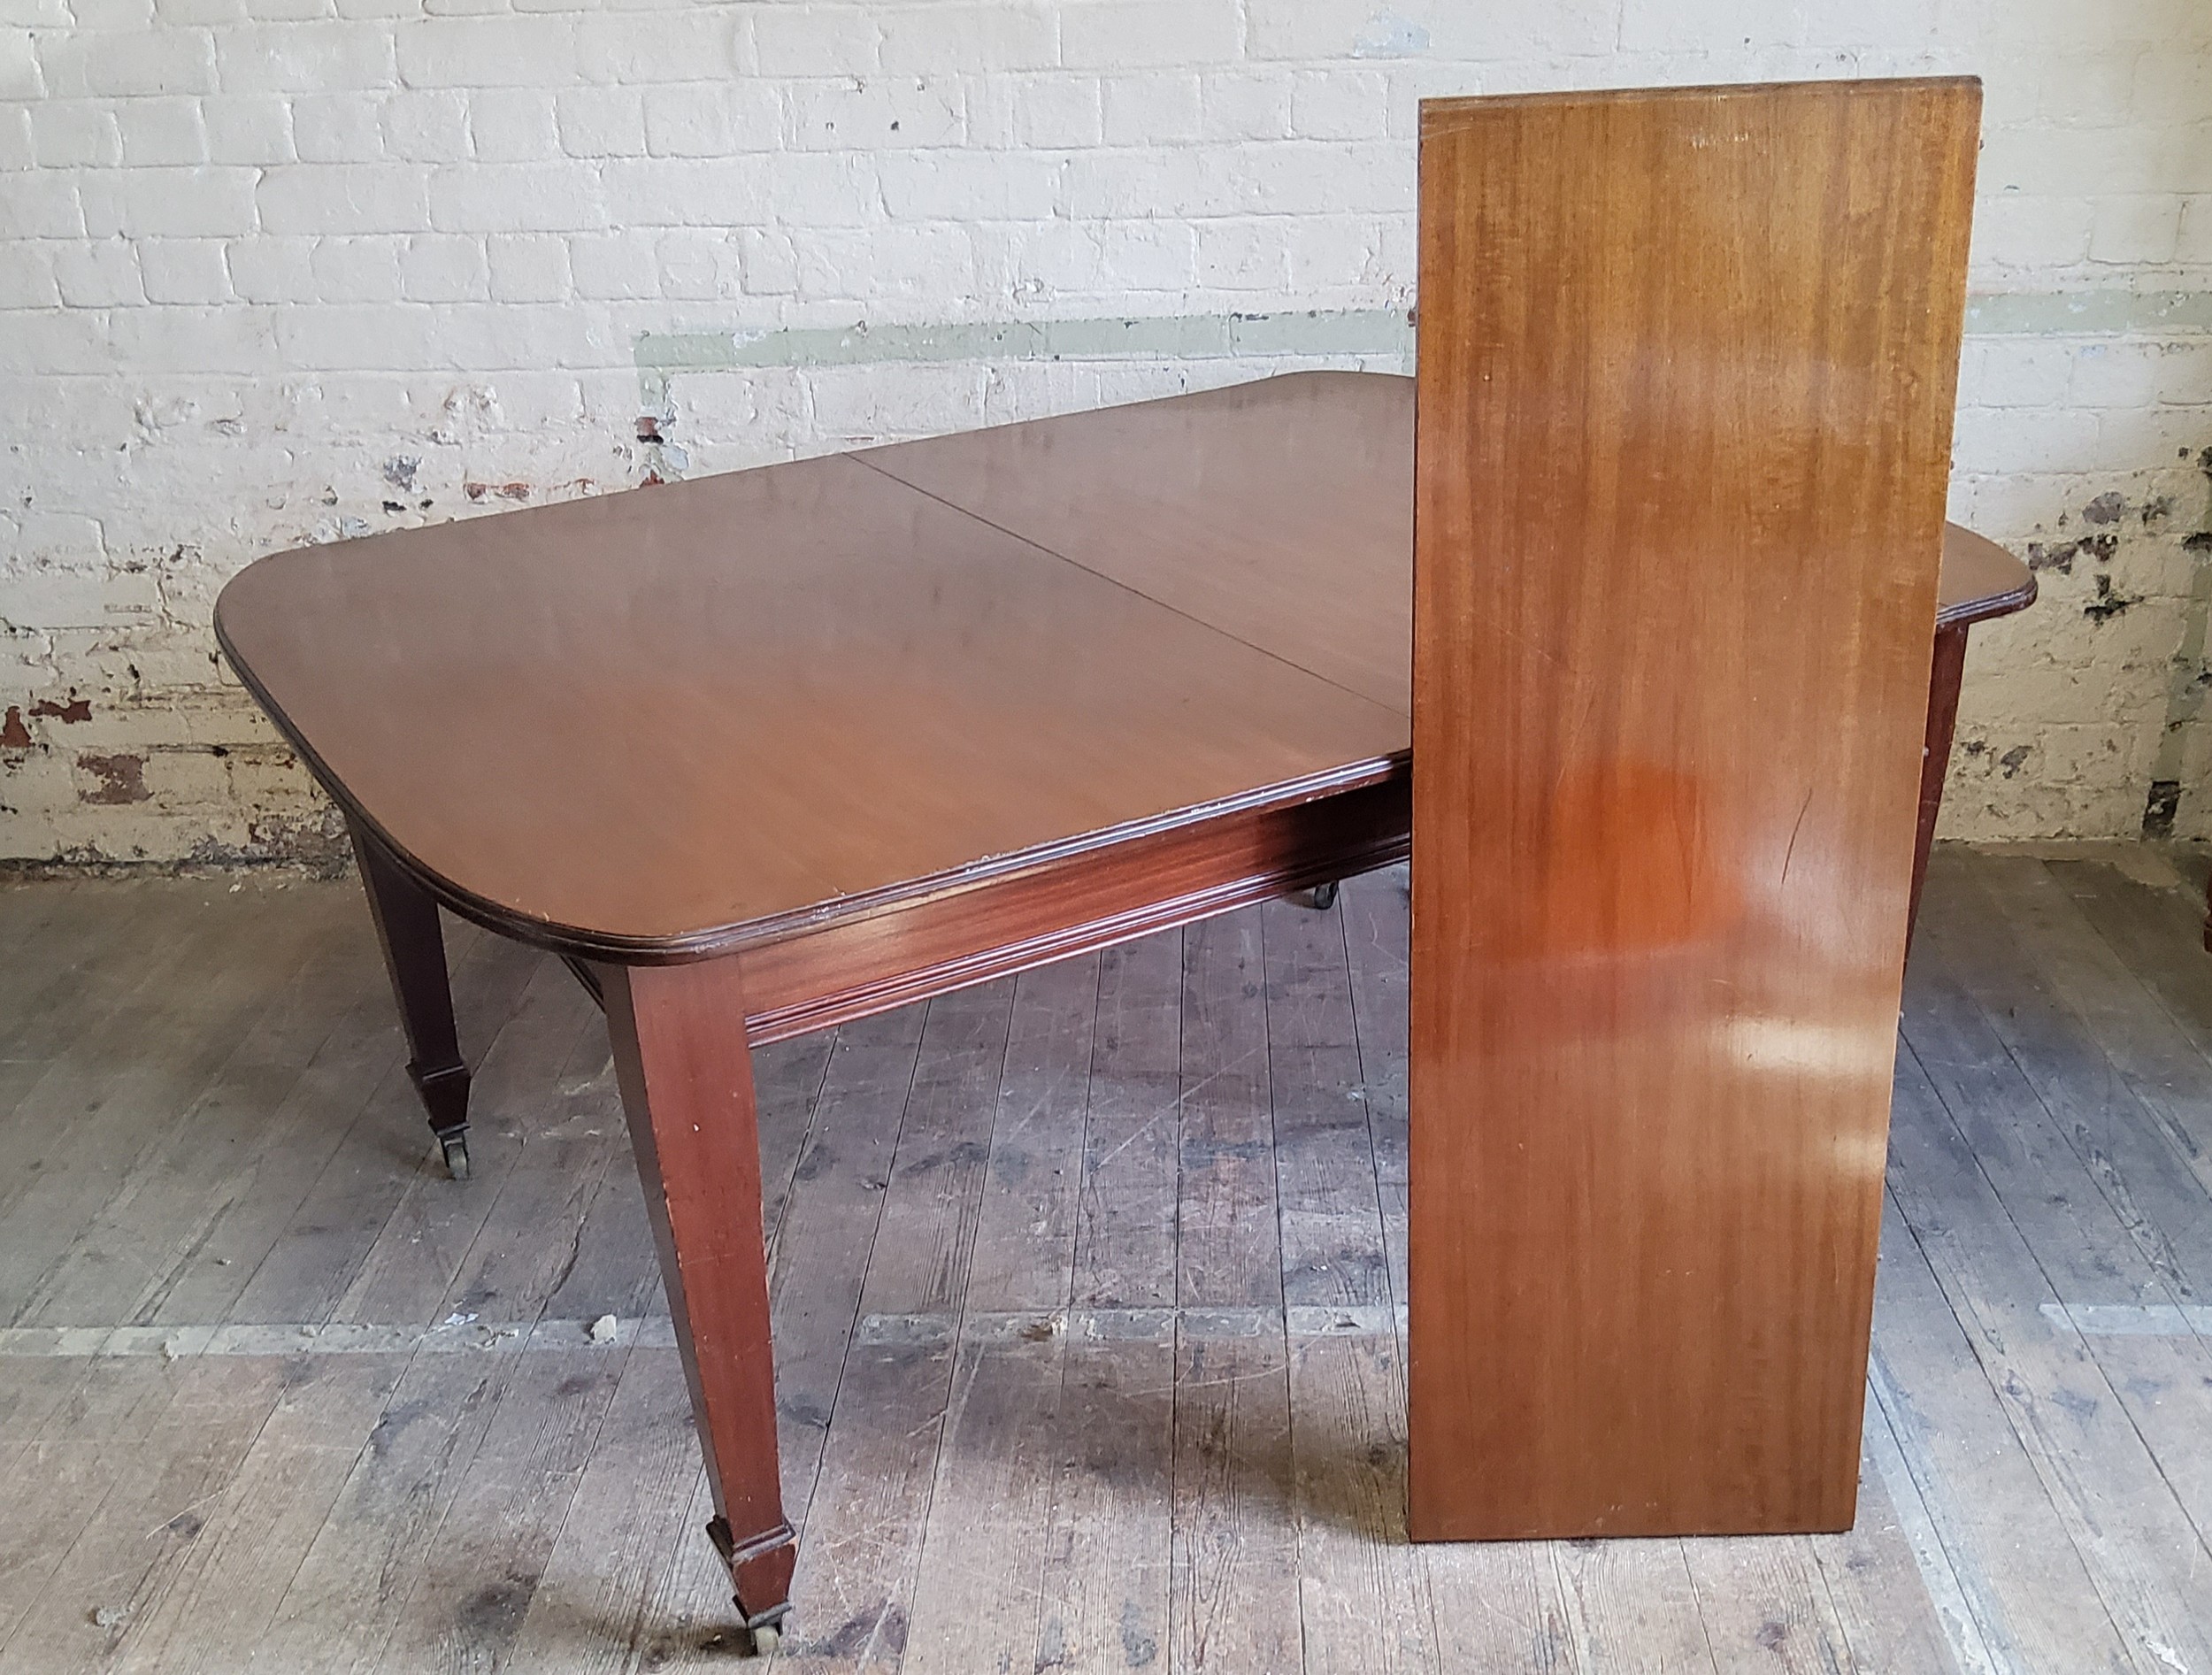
1086 1292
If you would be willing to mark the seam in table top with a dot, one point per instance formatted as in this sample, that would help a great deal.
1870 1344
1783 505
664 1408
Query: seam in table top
1273 655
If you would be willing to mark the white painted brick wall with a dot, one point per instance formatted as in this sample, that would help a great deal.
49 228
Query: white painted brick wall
276 270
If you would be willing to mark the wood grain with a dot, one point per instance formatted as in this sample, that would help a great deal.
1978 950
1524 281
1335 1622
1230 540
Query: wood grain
653 726
687 1078
1686 369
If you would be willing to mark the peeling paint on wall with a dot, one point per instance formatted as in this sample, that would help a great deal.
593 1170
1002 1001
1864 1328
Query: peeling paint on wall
120 777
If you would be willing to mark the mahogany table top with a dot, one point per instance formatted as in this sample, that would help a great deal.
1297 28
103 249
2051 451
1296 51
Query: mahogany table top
676 721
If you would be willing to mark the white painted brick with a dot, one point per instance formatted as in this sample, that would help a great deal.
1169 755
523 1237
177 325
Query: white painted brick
993 185
201 203
1045 112
917 263
1236 105
1672 26
2012 439
1021 262
271 270
889 114
699 265
2015 230
1111 35
614 266
2144 438
527 268
1149 256
288 11
711 118
940 39
337 127
684 192
65 132
305 57
1341 105
201 10
101 275
2107 374
669 46
20 75
1335 252
26 275
332 197
1159 109
2086 88
2169 83
187 270
769 260
861 404
1244 255
1478 34
1299 178
826 189
830 261
504 337
198 340
59 340
817 40
426 127
357 270
2069 161
248 130
162 131
437 267
2136 230
1012 183
2194 245
15 138
100 195
496 52
2184 375
600 122
97 63
2016 372
112 14
516 197
364 335
513 125
1137 183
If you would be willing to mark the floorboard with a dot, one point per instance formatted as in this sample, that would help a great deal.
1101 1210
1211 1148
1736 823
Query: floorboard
1088 1289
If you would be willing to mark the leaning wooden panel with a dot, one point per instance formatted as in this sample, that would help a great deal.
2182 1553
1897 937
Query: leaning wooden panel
1686 369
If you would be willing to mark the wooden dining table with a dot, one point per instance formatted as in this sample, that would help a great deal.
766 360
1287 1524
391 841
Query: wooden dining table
759 753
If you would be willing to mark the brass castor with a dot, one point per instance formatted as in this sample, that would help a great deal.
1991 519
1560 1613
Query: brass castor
767 1639
1322 897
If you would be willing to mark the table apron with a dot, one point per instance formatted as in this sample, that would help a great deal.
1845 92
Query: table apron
975 933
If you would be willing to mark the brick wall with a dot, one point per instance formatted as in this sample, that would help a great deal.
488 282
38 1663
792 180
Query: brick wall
280 271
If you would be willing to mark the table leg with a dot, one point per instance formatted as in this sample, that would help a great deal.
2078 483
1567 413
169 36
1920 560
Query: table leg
1935 752
406 917
687 1078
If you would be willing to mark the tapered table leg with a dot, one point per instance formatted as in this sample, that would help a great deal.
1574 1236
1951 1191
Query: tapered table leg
687 1078
1944 678
406 917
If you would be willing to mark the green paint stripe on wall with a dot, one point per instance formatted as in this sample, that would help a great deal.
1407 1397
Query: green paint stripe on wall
1320 332
1377 331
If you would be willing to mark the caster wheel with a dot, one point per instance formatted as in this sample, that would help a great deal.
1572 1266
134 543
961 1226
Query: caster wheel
1322 897
457 1156
766 1639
